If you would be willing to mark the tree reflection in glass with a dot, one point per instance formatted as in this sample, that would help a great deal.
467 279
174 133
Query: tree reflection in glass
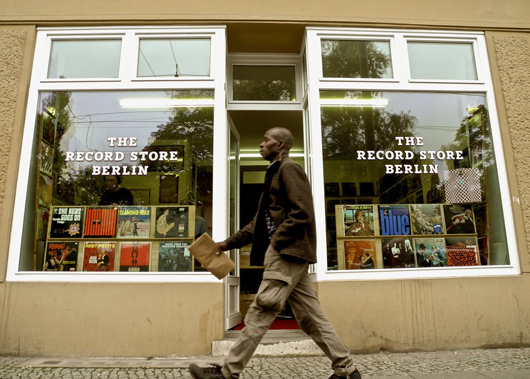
356 59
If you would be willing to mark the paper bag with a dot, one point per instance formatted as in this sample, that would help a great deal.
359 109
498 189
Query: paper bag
204 249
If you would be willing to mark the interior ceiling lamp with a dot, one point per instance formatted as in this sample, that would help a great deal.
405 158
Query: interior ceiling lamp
292 154
359 103
165 103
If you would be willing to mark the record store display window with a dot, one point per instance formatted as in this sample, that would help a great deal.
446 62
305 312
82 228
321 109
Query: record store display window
409 152
117 160
407 187
124 184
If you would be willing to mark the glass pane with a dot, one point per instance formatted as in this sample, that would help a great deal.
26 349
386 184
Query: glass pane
410 181
122 174
356 59
85 59
449 61
174 57
264 83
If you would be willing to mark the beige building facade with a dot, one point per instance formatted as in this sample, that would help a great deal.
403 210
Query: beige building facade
163 312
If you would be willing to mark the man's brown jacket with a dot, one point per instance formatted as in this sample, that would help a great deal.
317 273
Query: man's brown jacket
287 196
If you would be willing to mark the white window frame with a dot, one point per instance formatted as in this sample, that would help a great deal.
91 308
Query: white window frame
264 60
126 81
403 83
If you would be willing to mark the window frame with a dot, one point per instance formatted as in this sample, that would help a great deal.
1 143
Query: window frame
126 81
403 83
237 59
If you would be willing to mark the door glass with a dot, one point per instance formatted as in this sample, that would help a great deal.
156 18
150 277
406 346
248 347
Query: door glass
234 169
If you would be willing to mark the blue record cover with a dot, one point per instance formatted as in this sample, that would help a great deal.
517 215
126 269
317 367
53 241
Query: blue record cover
394 220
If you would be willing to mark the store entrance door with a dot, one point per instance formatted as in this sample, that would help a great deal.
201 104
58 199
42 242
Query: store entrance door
250 127
233 314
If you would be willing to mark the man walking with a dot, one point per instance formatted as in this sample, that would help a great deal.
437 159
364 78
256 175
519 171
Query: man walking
283 238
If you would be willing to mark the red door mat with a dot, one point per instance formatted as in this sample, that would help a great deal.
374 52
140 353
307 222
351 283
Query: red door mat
278 324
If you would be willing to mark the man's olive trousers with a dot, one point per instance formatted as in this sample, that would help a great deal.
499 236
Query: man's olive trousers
286 279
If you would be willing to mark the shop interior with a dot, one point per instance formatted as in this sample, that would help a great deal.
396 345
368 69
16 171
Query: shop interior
251 126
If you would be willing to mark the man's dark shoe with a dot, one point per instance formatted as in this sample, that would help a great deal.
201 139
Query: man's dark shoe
213 372
354 375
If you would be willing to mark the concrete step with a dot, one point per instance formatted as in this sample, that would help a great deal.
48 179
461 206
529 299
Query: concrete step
274 343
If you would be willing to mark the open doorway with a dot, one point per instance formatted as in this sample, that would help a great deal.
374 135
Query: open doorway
251 125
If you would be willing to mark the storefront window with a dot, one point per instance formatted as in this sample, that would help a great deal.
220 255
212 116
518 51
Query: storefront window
356 59
123 180
442 61
174 57
71 59
410 181
264 83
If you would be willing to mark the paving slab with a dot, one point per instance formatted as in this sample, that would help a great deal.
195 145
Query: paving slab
507 374
450 375
509 363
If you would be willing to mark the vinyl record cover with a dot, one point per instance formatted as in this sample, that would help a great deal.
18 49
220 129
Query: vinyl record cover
174 256
397 252
101 221
462 251
462 256
67 222
394 220
430 252
426 219
99 256
134 222
459 219
61 256
358 220
359 254
172 222
134 256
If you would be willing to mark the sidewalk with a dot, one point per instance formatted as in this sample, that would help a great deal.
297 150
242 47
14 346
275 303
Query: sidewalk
462 364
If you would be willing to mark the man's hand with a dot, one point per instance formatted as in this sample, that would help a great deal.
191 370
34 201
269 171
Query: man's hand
222 247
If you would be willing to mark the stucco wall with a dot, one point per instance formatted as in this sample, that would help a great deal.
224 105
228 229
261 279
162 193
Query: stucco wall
16 57
101 319
408 315
456 313
162 319
427 13
511 77
12 42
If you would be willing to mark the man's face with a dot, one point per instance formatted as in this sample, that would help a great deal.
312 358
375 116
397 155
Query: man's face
270 147
111 182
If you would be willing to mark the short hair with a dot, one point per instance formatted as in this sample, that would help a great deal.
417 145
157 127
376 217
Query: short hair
118 178
283 134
